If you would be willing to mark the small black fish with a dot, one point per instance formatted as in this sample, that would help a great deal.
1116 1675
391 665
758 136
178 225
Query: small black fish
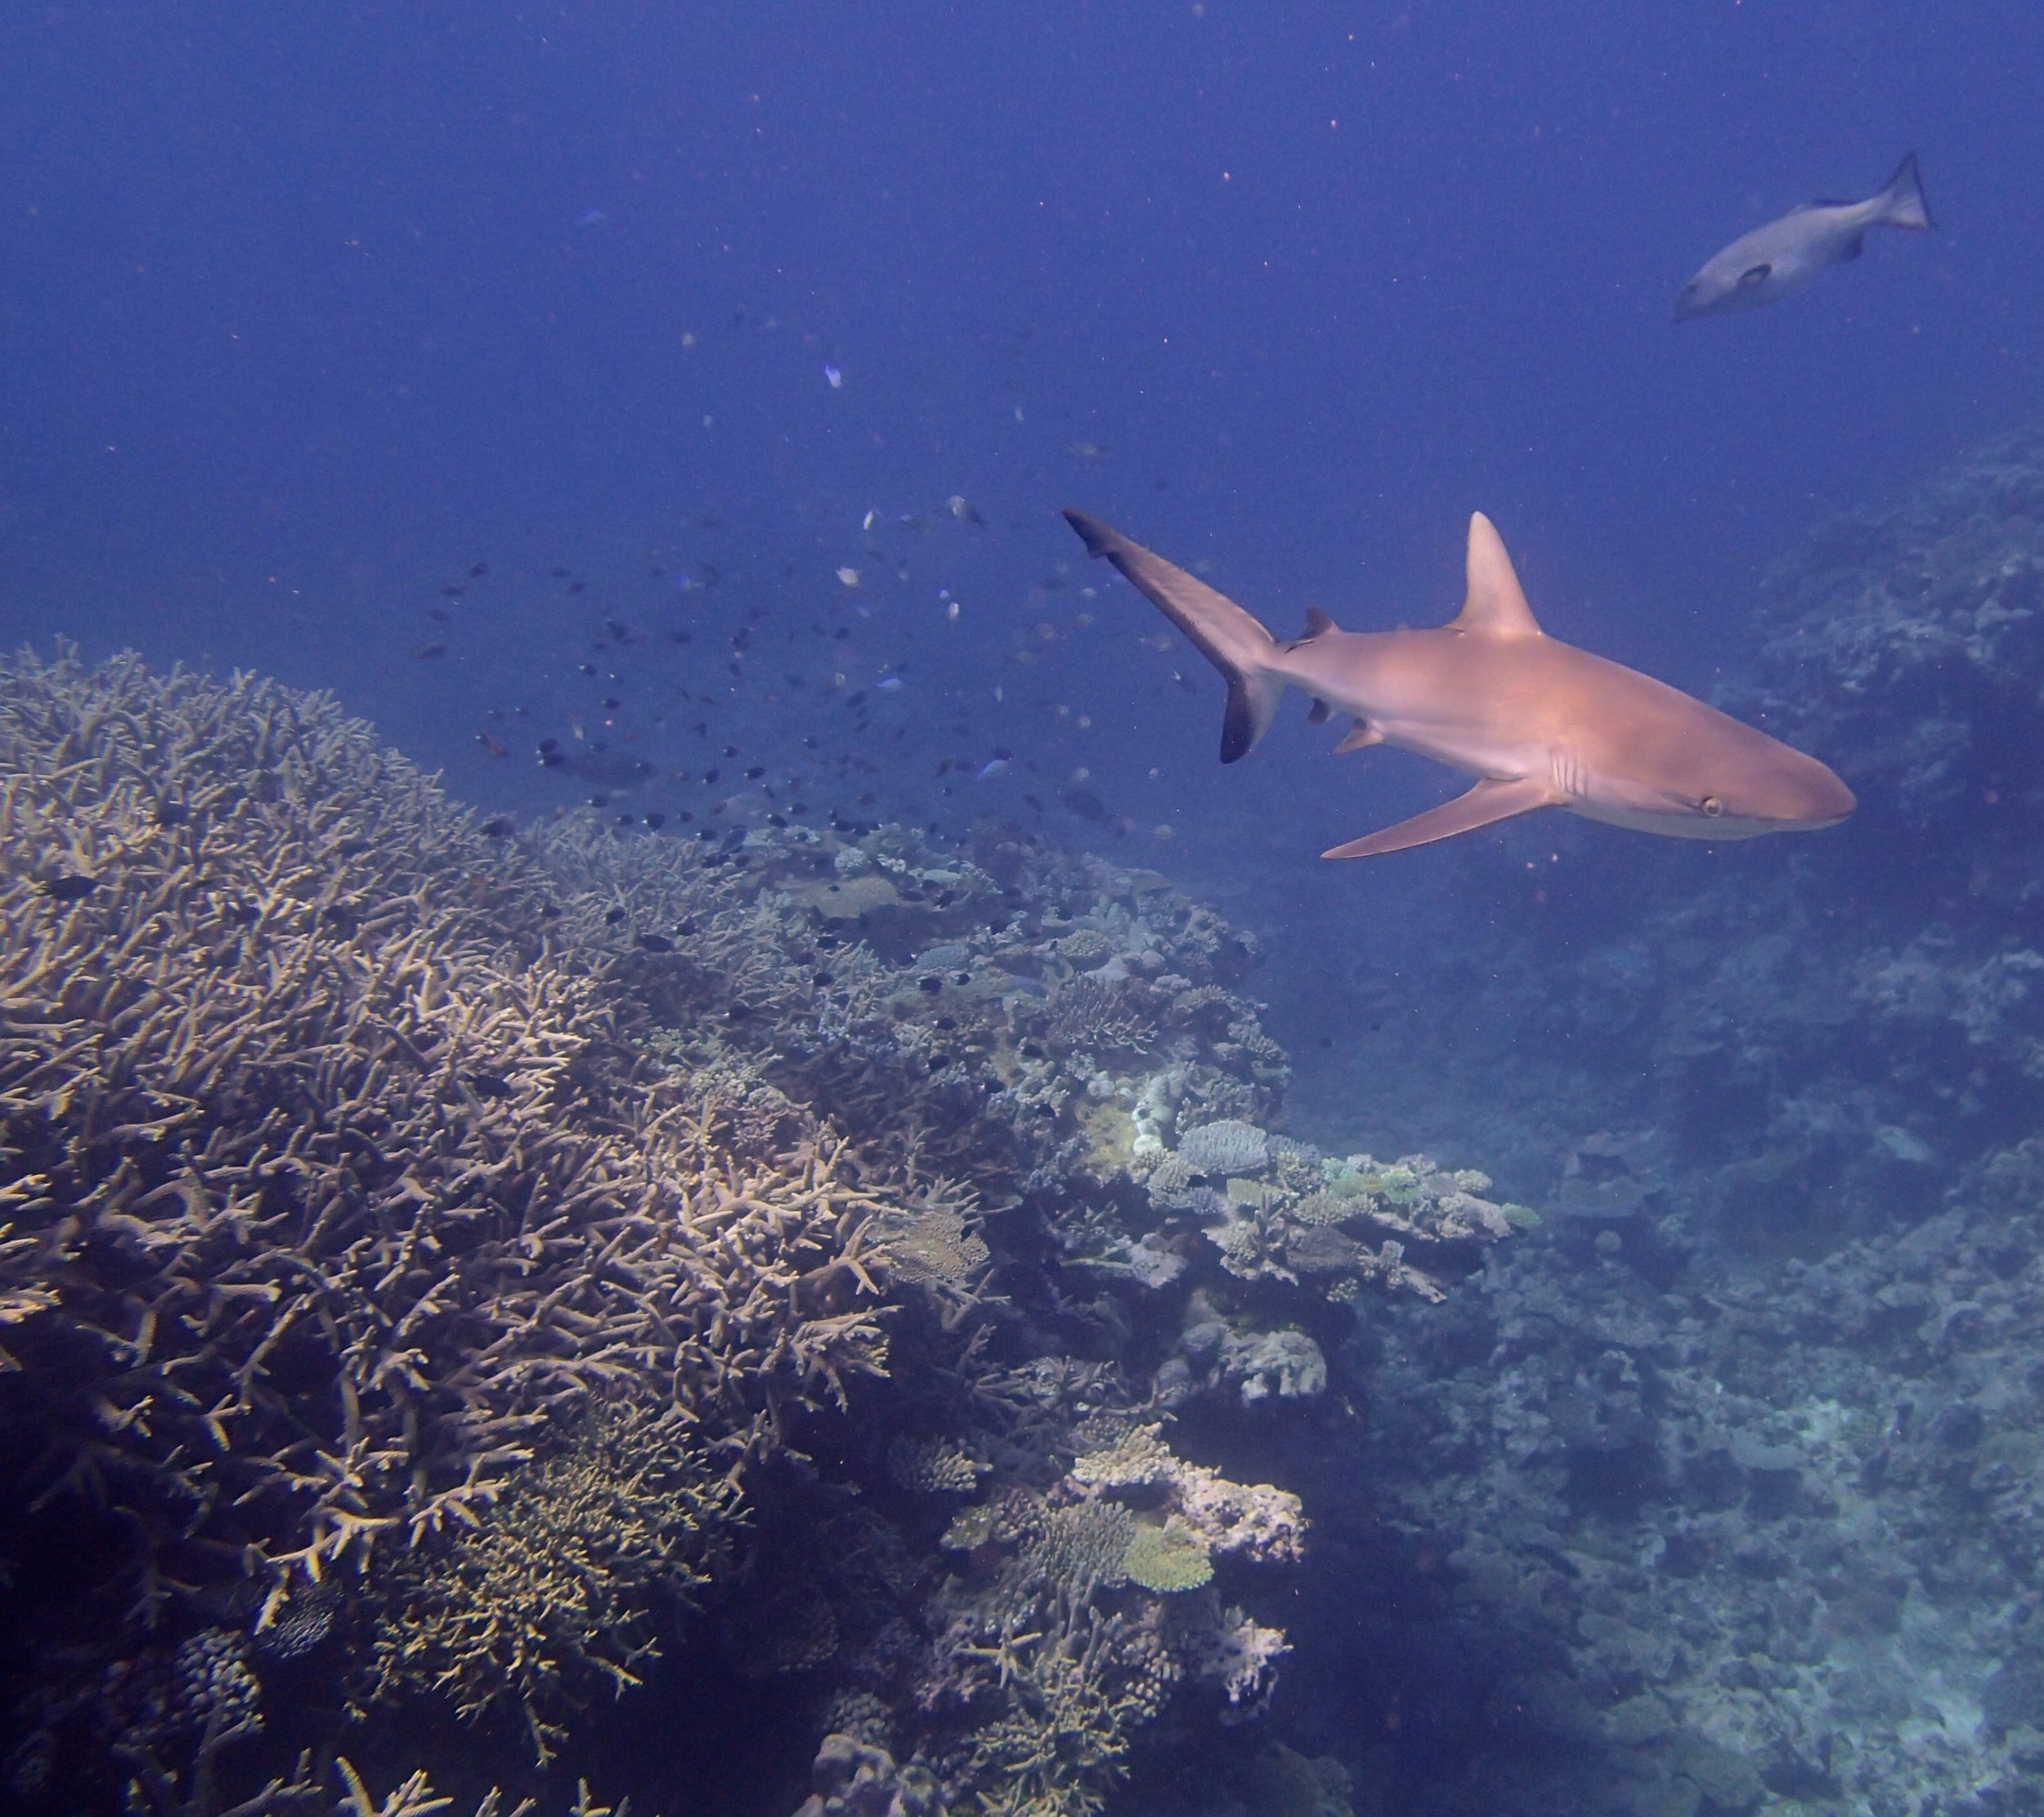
656 821
654 942
488 1085
478 570
501 827
69 888
1084 803
612 917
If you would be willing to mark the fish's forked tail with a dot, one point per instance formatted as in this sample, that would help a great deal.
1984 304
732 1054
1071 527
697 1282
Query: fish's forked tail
1230 639
1902 198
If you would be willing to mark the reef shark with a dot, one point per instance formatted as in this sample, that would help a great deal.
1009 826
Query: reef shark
1539 722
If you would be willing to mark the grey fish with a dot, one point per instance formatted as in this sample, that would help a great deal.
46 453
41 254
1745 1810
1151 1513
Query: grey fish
1787 255
1538 723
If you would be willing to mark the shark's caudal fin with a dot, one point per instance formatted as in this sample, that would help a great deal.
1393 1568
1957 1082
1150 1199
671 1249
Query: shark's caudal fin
1227 636
1488 802
1902 198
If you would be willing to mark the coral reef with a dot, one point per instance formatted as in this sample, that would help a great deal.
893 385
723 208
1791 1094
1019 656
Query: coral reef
1288 1226
452 1269
1757 1536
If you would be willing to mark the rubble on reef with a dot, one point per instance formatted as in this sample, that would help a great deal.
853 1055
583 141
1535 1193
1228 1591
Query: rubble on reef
443 1271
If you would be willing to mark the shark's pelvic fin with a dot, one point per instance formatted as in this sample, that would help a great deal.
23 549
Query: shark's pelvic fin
1496 604
1230 639
1358 736
1488 802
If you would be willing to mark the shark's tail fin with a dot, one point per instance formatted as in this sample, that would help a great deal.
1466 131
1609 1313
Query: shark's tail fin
1902 198
1230 639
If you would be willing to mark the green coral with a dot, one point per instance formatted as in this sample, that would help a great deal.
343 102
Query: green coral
1166 1559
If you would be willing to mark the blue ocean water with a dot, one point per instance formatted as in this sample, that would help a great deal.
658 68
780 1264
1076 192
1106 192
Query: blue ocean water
600 397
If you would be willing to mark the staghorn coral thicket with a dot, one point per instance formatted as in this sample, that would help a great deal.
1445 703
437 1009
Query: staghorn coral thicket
324 1177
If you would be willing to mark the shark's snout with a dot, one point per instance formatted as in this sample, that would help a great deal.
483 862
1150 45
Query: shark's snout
1788 791
1826 799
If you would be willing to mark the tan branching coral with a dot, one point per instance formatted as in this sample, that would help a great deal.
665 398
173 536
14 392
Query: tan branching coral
1092 1015
558 1590
1130 1460
932 1466
324 1175
927 1239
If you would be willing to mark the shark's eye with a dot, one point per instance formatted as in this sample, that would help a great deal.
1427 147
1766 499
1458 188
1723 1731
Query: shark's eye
1712 807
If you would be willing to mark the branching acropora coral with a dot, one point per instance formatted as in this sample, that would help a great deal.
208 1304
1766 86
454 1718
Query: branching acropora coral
324 1177
560 1588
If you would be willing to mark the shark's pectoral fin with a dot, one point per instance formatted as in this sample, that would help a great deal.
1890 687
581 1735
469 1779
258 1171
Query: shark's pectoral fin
1316 714
1358 736
1487 803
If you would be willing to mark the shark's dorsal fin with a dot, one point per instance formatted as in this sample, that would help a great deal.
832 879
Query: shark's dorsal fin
1495 605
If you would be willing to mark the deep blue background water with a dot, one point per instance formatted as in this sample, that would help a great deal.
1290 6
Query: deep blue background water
303 312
